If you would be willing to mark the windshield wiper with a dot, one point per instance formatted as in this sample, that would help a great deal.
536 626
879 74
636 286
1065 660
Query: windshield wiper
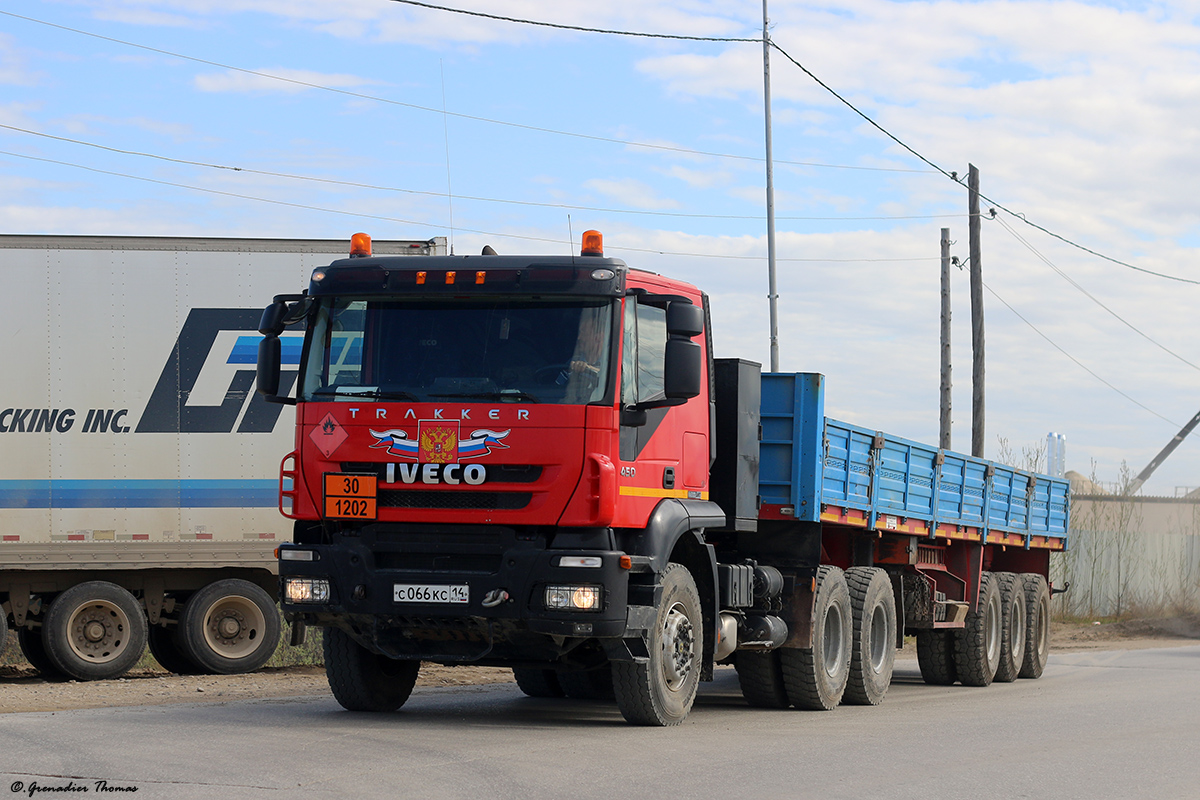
511 395
378 394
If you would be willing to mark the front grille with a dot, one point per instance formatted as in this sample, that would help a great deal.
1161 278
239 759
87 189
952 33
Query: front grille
479 563
455 500
497 473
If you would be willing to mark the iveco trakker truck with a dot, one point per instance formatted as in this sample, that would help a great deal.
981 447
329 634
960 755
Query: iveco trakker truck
138 484
535 462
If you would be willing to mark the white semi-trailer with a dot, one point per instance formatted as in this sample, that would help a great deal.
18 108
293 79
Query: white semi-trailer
139 477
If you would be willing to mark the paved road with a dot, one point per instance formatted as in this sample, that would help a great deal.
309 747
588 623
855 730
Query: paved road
1122 724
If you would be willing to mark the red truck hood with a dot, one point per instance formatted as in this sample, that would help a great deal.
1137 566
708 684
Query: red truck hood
493 463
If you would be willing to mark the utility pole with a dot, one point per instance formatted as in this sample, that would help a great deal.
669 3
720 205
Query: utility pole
944 428
772 293
977 372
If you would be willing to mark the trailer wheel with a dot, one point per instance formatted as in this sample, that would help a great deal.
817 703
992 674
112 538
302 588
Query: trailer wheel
3 630
94 631
660 690
591 684
167 653
538 682
816 677
1012 633
229 626
362 680
761 678
977 645
873 649
30 640
1037 625
935 657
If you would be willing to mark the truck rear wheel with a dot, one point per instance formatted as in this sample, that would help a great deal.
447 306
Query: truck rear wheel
30 640
94 631
761 678
365 681
935 657
661 689
591 684
815 677
167 653
1037 625
873 649
229 626
977 645
1012 631
538 682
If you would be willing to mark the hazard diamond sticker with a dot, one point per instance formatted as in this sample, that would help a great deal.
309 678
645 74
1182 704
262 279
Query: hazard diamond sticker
328 435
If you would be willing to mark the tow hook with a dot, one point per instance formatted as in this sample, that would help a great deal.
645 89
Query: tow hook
494 598
1066 588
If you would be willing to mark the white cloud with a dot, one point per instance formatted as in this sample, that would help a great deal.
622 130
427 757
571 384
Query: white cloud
277 79
632 193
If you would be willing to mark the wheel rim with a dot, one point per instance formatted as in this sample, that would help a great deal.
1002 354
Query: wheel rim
98 631
879 638
678 647
831 642
232 627
1018 627
992 624
1043 638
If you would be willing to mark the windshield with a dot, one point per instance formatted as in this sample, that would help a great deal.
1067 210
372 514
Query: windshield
553 351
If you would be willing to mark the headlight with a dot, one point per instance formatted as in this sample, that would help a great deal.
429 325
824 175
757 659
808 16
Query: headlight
574 598
306 590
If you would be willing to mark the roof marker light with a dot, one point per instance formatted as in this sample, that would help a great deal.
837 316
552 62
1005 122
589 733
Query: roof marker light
421 278
479 276
360 245
450 277
593 244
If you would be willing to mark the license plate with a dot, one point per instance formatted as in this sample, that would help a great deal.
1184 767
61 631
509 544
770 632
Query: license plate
428 593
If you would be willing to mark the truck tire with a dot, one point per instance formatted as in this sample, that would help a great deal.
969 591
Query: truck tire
30 641
660 690
591 684
977 645
1037 625
873 645
94 631
362 680
538 682
761 678
166 652
935 657
3 630
815 677
1012 634
230 626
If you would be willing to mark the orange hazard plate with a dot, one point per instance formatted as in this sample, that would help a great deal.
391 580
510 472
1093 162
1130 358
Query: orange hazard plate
349 496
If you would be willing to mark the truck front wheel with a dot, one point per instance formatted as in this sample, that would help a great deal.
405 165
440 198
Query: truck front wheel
660 690
538 682
761 679
816 676
94 631
30 640
365 681
229 626
167 653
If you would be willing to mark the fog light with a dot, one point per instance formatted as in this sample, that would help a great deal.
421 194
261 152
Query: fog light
580 561
306 590
573 598
296 555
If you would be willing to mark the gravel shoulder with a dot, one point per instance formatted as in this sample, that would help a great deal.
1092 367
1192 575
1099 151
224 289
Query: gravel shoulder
23 690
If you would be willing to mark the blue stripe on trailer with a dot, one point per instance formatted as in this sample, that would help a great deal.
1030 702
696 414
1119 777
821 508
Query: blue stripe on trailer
139 494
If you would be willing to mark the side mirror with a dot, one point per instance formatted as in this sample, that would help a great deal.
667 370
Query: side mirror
273 319
269 357
682 369
684 319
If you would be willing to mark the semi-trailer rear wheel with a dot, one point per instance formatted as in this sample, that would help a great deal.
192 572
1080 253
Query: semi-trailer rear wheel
761 678
94 631
1012 630
365 681
538 682
3 630
229 626
815 677
977 645
873 650
166 652
1037 625
660 690
935 657
30 640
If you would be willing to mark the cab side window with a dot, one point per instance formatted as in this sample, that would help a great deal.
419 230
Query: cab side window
643 353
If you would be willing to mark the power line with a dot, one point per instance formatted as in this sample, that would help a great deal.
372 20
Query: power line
435 225
439 112
1079 363
378 187
1092 297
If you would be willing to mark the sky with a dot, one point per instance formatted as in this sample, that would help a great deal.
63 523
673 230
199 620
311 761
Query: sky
128 117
